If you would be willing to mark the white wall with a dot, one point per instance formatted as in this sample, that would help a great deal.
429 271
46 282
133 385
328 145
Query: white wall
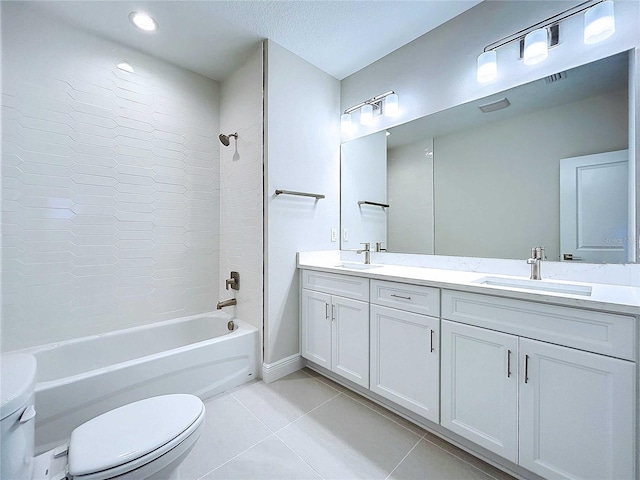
302 153
363 174
517 177
241 202
438 70
410 179
110 185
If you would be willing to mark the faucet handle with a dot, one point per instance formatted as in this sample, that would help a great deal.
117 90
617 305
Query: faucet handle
233 282
379 247
367 246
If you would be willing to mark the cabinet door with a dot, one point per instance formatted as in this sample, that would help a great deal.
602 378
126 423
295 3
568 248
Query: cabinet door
576 413
315 331
351 340
479 397
405 360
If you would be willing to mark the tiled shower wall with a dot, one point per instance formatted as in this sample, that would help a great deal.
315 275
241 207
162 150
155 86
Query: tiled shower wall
110 184
241 203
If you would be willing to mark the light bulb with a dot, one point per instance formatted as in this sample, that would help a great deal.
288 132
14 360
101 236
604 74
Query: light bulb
536 46
366 114
487 66
143 21
599 22
391 105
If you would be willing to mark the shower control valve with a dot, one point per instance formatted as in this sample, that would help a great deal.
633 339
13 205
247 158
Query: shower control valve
233 282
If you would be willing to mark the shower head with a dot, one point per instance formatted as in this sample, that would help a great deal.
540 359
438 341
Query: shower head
224 139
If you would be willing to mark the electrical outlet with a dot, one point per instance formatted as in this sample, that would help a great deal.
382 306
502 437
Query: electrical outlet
345 235
334 235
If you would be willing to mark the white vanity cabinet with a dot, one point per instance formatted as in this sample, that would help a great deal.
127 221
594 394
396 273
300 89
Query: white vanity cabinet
405 346
335 324
516 379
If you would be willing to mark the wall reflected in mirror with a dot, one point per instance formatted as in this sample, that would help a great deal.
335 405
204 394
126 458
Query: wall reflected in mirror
487 183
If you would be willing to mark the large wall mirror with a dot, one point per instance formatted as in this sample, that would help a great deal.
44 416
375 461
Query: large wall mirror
543 164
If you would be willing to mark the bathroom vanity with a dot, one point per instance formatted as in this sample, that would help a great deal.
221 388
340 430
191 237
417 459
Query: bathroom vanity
539 379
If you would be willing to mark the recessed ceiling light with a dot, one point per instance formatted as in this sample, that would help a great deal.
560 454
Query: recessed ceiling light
127 67
143 21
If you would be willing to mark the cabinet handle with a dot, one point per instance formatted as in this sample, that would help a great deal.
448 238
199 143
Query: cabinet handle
508 363
526 369
432 333
326 311
400 296
333 312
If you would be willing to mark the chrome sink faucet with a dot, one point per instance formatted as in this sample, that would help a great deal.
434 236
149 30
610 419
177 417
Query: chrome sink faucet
537 255
367 253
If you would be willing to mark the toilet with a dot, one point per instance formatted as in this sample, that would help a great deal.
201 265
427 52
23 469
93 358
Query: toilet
147 439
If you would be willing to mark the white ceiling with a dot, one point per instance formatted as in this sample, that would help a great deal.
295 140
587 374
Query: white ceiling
213 38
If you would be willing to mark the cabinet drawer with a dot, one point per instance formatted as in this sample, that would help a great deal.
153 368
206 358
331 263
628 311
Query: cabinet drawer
336 284
597 332
412 298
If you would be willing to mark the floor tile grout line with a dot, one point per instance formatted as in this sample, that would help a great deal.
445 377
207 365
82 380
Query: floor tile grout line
422 437
352 396
388 418
307 413
321 382
299 456
236 456
253 414
404 458
271 433
364 404
460 458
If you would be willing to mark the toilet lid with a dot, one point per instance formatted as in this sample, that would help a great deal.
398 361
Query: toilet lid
130 432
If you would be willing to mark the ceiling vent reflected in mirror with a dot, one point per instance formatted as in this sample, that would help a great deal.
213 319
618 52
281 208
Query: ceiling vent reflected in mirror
556 77
494 106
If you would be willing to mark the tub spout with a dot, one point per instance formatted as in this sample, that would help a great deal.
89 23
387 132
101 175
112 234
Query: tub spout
226 303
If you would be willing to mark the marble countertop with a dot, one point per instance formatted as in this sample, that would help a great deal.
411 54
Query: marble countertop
604 297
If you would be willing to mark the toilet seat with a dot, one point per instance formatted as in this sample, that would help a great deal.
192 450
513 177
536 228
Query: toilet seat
145 435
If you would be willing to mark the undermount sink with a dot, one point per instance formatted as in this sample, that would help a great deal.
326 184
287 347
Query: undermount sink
357 266
540 285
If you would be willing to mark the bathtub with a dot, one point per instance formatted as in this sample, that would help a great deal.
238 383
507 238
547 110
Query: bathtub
82 378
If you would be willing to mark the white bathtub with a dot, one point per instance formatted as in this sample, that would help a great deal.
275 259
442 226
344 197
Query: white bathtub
81 378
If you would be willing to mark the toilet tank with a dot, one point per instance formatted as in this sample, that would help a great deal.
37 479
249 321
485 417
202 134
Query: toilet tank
17 422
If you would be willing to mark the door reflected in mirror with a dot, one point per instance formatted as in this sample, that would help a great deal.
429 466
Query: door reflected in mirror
469 183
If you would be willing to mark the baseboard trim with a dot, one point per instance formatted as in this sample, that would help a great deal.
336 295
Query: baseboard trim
276 370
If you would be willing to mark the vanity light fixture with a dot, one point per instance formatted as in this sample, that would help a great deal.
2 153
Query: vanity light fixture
599 22
366 114
487 66
143 21
391 105
386 103
535 41
536 46
345 121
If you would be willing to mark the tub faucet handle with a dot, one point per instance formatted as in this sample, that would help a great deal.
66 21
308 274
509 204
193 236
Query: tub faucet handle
233 282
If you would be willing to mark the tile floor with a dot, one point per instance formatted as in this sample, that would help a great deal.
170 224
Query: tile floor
305 426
